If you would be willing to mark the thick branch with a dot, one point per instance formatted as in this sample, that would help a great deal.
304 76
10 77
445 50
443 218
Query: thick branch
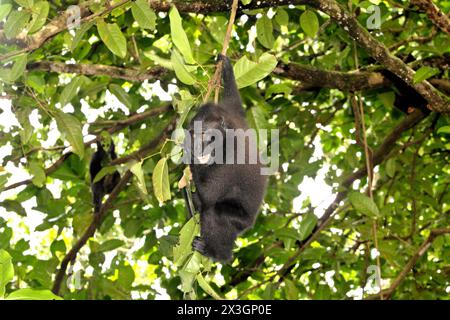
203 6
311 77
59 24
380 53
434 14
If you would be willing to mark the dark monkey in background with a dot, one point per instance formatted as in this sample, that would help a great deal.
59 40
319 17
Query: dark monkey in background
228 196
101 159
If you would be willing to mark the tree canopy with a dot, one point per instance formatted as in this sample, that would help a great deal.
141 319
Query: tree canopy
358 91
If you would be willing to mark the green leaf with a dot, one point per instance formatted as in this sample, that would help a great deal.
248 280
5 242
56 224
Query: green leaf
264 31
158 60
104 172
363 204
179 36
187 235
70 127
207 288
71 90
218 28
143 14
80 33
38 174
6 271
32 294
307 225
120 94
113 38
444 129
14 206
284 88
193 264
126 277
257 118
15 23
248 72
390 167
282 17
25 3
82 221
110 245
39 16
309 23
3 179
387 98
290 290
287 233
18 68
136 169
181 71
187 280
5 9
424 73
160 179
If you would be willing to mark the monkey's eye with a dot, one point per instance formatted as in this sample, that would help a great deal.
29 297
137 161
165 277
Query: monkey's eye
206 137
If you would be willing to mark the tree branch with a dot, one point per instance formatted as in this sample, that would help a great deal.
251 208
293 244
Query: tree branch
145 150
434 233
380 53
379 156
54 27
90 231
434 14
117 126
203 6
59 24
311 77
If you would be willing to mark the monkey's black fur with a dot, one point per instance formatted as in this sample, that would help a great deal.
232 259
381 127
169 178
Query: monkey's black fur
228 196
406 98
100 159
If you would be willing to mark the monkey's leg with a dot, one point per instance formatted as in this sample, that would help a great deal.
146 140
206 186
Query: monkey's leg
111 181
197 201
97 196
217 236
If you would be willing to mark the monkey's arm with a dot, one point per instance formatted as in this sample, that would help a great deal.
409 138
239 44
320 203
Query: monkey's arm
231 96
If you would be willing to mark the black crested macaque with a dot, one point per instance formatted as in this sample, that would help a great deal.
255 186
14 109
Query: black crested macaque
407 99
101 159
228 196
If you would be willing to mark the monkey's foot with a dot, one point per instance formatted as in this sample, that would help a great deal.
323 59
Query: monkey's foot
199 245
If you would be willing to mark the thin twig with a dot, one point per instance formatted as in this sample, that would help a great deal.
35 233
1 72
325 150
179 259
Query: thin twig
412 261
215 81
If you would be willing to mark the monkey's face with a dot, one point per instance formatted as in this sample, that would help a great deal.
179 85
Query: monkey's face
207 142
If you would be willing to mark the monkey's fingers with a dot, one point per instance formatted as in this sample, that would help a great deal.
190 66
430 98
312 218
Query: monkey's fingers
199 245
